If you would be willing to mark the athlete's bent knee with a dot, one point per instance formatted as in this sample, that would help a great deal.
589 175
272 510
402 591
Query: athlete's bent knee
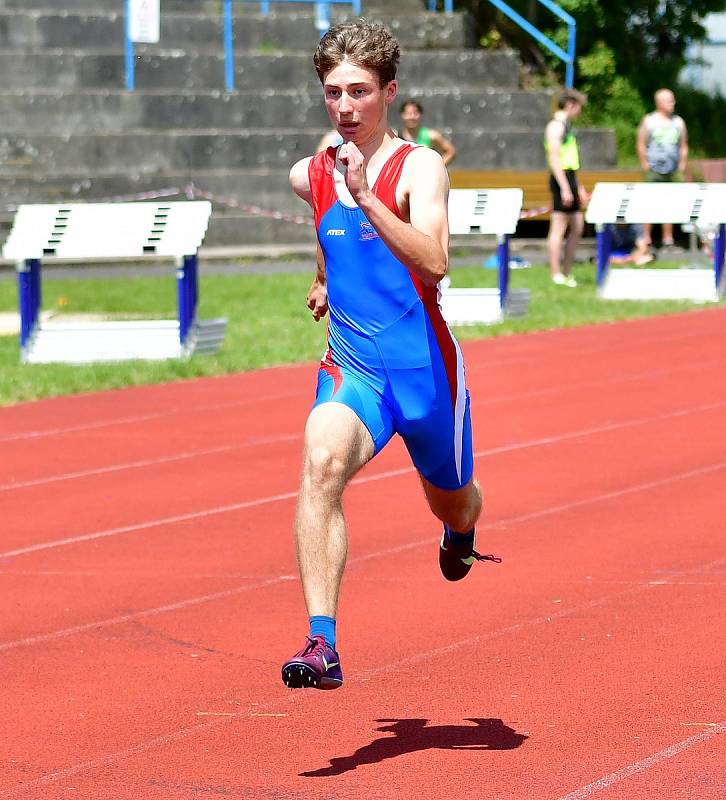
324 470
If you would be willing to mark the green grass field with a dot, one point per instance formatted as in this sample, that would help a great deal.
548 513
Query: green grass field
268 323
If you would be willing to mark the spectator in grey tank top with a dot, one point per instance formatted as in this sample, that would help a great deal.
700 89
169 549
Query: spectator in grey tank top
662 146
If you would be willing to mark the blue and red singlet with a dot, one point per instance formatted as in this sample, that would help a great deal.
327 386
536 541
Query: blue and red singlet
391 357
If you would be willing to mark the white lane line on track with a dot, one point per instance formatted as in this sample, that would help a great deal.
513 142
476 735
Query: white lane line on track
175 736
193 601
476 404
149 462
150 612
133 420
472 366
597 602
645 764
544 441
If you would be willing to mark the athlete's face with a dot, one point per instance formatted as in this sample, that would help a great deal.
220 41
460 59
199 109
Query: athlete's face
356 102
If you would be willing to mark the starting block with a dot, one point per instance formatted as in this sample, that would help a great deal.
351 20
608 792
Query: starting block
489 212
699 204
88 231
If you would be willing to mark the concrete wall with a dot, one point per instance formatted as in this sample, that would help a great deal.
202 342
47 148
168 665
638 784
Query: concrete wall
70 130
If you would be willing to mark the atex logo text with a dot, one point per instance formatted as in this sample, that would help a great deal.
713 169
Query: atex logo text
336 232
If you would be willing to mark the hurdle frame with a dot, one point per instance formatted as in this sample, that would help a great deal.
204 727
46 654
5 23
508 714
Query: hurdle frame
485 212
160 229
699 204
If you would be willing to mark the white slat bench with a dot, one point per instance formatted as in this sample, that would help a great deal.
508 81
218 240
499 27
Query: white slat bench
90 231
699 204
493 212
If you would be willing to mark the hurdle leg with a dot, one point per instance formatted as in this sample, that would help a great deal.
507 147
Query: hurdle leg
719 250
503 261
603 236
29 294
183 297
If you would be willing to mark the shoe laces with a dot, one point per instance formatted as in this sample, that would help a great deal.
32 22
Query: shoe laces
488 557
311 646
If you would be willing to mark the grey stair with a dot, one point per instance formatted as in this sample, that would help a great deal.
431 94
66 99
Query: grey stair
109 111
283 31
163 152
166 69
70 131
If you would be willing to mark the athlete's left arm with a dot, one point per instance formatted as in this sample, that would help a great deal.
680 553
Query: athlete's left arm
423 244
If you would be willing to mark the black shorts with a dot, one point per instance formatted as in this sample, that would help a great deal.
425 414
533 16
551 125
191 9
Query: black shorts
571 176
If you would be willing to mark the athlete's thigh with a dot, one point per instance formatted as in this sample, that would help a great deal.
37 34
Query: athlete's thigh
335 435
432 412
352 411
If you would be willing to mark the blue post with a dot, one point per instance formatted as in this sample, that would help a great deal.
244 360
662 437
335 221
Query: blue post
503 259
570 69
719 251
322 17
356 8
228 47
192 266
23 268
35 290
603 235
265 7
182 294
130 65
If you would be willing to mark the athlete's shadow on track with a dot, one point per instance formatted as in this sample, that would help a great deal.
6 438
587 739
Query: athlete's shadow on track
412 735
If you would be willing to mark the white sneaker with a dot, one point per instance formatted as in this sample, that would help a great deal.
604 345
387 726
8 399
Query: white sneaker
564 280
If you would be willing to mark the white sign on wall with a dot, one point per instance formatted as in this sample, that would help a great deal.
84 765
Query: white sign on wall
144 21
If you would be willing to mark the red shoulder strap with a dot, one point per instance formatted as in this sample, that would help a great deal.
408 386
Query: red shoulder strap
322 185
385 186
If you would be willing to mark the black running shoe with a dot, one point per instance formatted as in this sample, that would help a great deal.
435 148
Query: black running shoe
455 560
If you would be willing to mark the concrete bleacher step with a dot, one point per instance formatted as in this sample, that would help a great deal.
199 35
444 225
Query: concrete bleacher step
199 31
109 111
159 153
165 69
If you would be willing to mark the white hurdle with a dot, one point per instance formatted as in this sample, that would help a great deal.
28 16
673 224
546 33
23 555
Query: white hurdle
488 212
699 204
91 231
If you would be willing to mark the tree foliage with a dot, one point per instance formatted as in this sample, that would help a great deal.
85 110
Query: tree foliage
626 49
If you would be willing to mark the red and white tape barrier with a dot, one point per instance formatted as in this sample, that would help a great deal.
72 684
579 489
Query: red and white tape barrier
190 191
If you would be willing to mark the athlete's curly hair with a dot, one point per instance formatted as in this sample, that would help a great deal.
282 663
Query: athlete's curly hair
366 44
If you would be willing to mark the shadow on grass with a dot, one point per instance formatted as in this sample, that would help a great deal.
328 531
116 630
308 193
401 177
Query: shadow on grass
412 735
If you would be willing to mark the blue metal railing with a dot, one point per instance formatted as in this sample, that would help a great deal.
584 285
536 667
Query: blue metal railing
568 57
322 23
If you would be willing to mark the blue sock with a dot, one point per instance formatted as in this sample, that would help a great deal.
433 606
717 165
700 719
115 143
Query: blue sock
459 538
325 627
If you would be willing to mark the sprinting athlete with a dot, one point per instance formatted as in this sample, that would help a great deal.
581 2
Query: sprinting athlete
392 366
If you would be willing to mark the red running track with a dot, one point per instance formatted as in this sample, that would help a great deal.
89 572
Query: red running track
150 592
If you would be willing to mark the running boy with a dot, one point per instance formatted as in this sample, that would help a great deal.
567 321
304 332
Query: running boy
392 365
